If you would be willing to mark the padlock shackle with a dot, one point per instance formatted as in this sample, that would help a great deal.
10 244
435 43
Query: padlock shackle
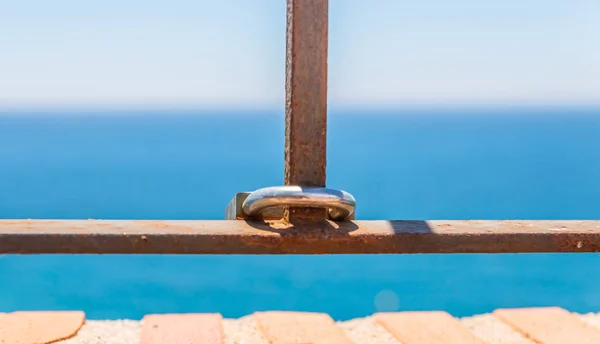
340 204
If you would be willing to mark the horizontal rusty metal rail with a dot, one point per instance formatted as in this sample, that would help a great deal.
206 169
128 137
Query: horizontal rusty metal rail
246 237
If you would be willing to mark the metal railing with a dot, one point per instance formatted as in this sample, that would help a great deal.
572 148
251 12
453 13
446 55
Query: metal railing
302 216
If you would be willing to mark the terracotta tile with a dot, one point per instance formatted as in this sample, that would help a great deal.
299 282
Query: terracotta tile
426 328
551 325
300 328
182 329
493 330
39 327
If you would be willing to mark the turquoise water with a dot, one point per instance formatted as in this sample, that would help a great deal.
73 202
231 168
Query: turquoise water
504 163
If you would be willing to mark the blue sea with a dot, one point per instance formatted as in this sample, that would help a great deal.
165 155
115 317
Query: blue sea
469 163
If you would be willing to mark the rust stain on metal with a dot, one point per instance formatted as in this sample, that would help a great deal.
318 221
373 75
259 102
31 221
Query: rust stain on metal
306 100
165 225
162 224
26 222
277 237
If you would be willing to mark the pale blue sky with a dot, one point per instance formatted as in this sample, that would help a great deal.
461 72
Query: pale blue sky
231 52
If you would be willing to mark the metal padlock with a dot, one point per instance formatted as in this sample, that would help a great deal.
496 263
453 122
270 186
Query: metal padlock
270 203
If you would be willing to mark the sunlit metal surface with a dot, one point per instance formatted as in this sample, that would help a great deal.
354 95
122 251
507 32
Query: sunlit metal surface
339 203
280 237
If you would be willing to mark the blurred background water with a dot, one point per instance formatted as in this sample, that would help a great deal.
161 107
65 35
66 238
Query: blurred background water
469 163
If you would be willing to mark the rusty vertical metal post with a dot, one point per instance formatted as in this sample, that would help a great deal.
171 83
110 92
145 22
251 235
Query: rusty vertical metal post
306 100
